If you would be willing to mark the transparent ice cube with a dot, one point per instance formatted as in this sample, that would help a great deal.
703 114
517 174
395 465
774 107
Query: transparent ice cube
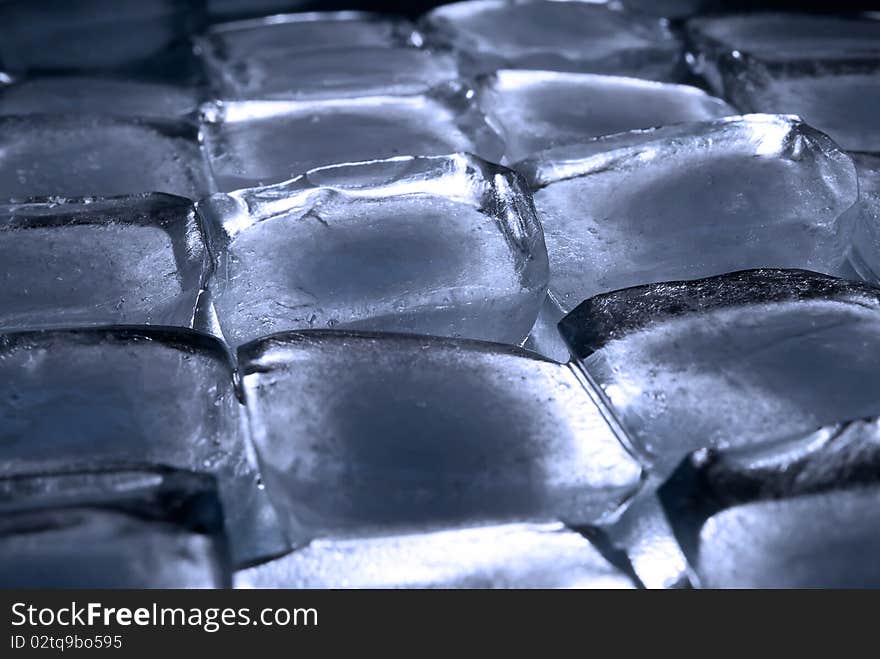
537 110
43 155
334 74
523 555
802 513
362 434
116 529
119 97
744 358
252 143
95 398
100 261
824 69
690 201
52 35
446 246
558 36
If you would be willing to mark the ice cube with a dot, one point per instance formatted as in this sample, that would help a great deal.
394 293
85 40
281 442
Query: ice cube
802 513
269 56
558 36
690 201
119 97
126 529
536 110
362 434
95 398
334 74
252 143
523 555
75 262
748 357
772 37
446 246
137 35
862 221
303 32
44 155
824 69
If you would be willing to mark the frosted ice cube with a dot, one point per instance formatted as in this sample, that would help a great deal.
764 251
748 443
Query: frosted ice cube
74 156
362 434
334 74
799 514
536 110
118 97
824 69
97 34
690 201
521 555
559 36
127 529
745 358
74 262
446 246
95 398
251 143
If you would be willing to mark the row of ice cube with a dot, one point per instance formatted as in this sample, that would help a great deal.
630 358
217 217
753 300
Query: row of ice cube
449 245
819 67
412 460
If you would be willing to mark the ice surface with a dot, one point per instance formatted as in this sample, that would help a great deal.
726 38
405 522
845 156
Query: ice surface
558 36
334 74
677 8
117 529
75 262
825 69
141 35
744 358
495 556
95 398
447 246
644 536
690 201
235 8
863 219
800 513
378 434
118 97
252 143
536 110
45 155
